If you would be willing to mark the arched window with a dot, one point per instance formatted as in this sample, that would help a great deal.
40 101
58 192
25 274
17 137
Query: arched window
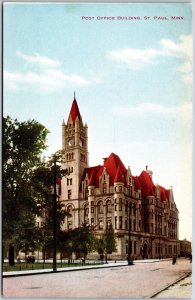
108 206
86 210
69 211
100 207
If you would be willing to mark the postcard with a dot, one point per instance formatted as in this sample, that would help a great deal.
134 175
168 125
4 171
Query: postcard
97 150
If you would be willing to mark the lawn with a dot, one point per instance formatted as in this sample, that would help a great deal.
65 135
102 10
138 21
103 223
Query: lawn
22 266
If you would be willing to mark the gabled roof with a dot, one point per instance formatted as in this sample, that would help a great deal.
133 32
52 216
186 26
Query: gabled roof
93 175
147 185
74 112
112 164
137 185
117 173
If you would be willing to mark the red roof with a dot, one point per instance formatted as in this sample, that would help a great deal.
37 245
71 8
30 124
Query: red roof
164 193
74 112
117 173
93 175
113 163
92 179
137 185
147 185
119 176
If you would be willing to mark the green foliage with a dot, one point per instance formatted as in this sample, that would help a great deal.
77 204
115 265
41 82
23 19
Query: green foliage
106 244
23 143
83 240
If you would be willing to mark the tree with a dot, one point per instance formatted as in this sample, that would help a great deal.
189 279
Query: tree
44 183
23 143
83 240
107 244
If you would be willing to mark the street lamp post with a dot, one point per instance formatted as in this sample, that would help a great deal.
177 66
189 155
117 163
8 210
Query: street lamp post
54 219
129 240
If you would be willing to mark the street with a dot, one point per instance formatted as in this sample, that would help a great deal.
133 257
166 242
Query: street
141 280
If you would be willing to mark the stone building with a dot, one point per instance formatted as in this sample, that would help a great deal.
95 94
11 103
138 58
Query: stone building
110 194
185 248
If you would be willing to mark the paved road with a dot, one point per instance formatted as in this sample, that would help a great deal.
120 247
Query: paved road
138 281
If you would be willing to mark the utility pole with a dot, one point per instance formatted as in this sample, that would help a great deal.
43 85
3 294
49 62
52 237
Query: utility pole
129 239
54 217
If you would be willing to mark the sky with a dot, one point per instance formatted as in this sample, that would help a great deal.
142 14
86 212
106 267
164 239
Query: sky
130 66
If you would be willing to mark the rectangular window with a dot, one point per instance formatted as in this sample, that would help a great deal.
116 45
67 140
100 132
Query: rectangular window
126 247
120 207
115 208
70 181
92 222
92 209
140 224
69 194
134 225
134 247
126 225
115 222
130 247
120 222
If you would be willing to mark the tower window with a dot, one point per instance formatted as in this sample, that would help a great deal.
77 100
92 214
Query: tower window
69 181
69 194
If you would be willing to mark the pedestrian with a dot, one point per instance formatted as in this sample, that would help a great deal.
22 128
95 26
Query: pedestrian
174 260
83 260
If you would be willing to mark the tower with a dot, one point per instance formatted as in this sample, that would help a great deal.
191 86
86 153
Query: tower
75 146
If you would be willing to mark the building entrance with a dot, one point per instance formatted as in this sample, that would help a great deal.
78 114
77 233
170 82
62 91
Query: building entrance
145 251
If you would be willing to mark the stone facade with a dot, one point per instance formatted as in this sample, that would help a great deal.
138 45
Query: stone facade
110 194
185 248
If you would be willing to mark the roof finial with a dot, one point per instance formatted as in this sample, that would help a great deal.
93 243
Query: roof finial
74 96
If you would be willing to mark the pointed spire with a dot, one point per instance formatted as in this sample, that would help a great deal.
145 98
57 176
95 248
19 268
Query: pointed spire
74 112
118 177
63 123
74 96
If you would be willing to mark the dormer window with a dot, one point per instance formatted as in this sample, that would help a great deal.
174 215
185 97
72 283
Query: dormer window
104 188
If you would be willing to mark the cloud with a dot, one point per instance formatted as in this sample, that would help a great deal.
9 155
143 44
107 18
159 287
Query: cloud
136 58
47 78
182 111
39 60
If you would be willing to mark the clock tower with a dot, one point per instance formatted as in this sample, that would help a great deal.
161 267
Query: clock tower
75 146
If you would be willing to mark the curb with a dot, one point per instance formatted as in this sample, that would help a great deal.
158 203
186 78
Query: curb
49 271
169 285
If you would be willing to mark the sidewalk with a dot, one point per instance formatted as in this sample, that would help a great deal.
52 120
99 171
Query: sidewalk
181 289
67 269
84 267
